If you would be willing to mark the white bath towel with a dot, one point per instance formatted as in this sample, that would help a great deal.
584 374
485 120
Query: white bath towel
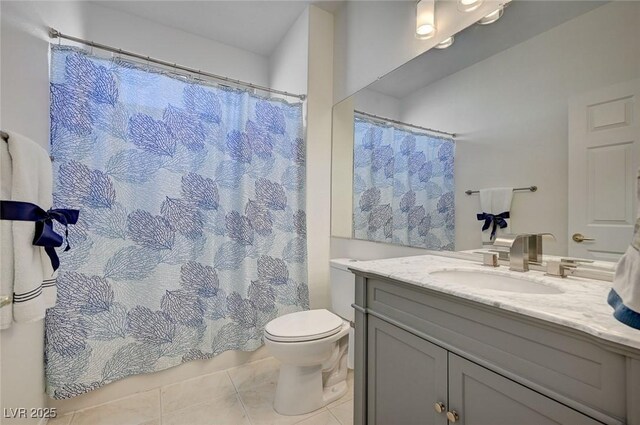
28 276
496 200
625 294
6 242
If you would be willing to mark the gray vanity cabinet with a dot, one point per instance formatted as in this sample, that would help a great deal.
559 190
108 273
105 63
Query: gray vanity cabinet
417 347
407 376
481 397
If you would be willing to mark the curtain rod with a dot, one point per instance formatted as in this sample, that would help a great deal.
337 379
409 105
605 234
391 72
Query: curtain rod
403 123
53 33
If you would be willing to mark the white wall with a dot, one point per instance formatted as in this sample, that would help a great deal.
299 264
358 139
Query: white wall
376 103
303 64
510 111
367 250
319 103
289 63
342 135
374 37
24 108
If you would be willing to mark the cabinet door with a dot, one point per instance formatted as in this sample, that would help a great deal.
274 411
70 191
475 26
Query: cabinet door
406 376
482 397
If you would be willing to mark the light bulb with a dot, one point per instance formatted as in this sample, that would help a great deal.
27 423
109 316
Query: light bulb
445 43
492 17
468 5
425 19
425 31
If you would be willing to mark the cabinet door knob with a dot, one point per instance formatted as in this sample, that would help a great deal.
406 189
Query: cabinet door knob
452 416
439 407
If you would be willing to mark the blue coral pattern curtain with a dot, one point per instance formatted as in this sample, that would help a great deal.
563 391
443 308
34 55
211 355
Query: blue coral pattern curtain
403 186
192 231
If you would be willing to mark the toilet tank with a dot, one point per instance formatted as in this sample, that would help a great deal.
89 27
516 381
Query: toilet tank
343 288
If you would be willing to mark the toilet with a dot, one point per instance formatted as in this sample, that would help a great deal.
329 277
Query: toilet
314 348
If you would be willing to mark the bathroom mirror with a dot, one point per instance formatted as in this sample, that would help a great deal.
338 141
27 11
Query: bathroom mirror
551 110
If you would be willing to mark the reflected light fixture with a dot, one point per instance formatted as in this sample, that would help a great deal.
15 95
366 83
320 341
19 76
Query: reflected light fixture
445 43
468 5
492 17
425 19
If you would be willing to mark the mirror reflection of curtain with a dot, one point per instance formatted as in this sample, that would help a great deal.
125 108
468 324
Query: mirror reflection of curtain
403 186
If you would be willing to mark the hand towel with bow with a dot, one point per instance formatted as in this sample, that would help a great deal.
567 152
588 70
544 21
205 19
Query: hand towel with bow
624 297
27 269
495 204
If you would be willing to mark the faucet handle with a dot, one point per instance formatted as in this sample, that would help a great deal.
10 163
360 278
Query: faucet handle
574 261
503 254
558 267
489 258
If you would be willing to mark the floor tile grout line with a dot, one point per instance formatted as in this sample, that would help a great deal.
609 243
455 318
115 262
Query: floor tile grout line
214 398
113 401
244 408
191 406
73 413
315 413
159 388
334 416
160 402
236 392
232 383
340 404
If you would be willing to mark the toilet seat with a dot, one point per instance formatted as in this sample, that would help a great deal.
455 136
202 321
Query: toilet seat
304 326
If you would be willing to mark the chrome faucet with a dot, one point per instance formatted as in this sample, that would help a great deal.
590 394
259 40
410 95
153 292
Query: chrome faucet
518 246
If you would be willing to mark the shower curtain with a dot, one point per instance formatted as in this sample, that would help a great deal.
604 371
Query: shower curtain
192 230
403 186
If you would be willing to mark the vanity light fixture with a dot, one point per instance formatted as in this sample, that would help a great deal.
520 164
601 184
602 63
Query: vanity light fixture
425 19
493 16
468 5
445 43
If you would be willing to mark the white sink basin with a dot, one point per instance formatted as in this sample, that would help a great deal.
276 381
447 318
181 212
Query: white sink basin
496 282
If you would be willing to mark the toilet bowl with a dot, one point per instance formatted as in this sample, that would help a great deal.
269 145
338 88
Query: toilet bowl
312 348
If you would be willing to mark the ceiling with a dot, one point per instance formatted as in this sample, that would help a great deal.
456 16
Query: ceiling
255 26
522 20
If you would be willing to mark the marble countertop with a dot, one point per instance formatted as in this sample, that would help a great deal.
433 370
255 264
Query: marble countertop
582 305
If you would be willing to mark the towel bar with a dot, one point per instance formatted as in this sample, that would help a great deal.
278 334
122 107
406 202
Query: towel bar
519 189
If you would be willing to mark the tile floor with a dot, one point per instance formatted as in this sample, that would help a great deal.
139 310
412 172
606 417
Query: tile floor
238 396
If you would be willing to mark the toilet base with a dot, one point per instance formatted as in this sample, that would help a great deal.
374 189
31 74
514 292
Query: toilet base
312 373
300 390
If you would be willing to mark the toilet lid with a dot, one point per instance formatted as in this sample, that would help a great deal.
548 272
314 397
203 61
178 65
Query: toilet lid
303 326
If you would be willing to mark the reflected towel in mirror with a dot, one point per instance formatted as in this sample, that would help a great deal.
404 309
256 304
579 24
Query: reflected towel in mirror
495 201
625 294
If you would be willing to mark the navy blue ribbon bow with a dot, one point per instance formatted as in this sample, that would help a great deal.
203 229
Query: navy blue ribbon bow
498 220
45 236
